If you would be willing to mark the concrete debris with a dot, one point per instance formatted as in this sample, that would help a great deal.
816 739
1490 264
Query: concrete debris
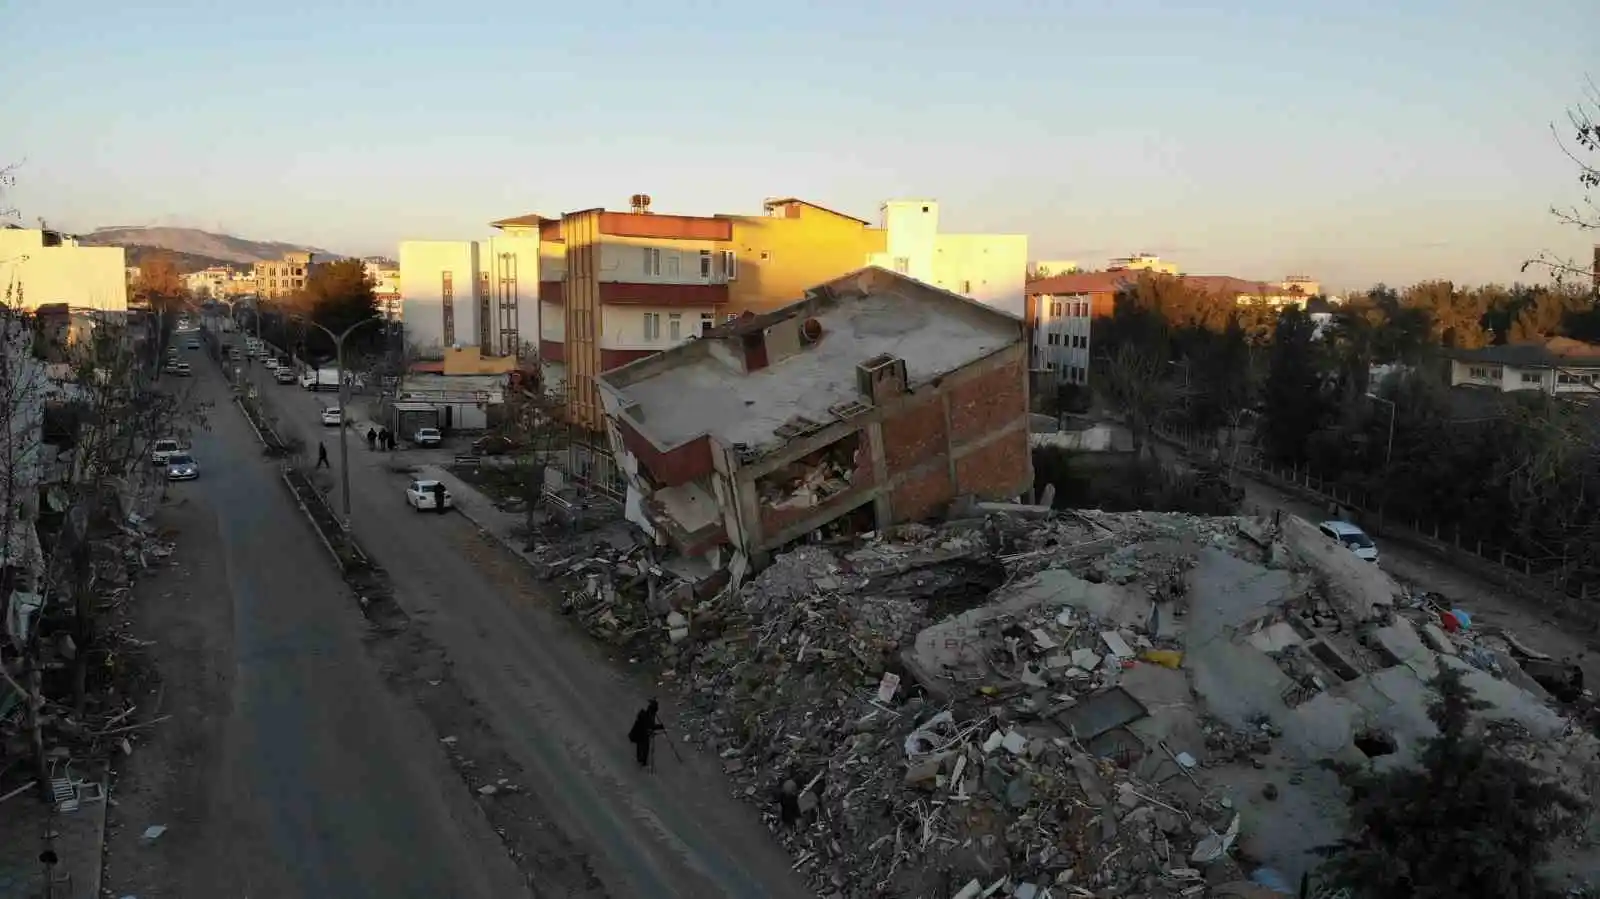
1077 704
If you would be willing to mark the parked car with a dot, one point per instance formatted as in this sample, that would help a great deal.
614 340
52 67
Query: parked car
419 494
284 375
427 437
332 416
163 449
182 370
182 467
191 344
493 445
1351 537
270 363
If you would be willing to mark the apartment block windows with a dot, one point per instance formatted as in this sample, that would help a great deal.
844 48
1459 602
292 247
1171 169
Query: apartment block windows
730 265
1055 308
652 262
902 264
447 300
674 326
705 265
707 322
674 264
652 326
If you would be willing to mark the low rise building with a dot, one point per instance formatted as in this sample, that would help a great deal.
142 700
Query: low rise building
1142 262
41 267
876 399
1560 366
385 276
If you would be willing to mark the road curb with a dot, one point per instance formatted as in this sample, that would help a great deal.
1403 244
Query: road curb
310 519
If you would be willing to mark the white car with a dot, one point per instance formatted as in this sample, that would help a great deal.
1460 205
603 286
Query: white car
284 375
164 449
420 496
182 467
427 437
270 363
1351 537
331 416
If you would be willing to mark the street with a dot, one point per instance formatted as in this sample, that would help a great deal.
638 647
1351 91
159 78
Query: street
556 707
289 767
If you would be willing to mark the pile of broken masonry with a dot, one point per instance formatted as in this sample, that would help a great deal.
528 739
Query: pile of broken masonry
1081 705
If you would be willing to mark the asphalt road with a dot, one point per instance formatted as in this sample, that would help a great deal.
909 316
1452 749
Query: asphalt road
558 706
316 780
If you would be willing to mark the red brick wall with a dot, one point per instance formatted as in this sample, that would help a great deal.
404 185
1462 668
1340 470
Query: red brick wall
987 403
915 435
999 470
922 496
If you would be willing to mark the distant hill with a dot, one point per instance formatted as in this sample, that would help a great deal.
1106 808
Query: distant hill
186 262
219 248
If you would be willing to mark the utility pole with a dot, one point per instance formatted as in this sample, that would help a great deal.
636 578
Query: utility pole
344 397
1388 453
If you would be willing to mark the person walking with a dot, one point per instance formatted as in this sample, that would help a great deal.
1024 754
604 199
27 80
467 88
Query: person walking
322 455
645 727
372 439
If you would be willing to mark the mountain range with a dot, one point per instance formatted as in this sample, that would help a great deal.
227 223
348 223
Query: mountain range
194 249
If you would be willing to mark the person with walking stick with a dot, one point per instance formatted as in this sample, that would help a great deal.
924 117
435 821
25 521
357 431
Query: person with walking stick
645 727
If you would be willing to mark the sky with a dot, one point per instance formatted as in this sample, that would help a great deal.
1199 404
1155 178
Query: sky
1350 140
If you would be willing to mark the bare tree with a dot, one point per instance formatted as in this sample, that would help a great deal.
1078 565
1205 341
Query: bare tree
1579 140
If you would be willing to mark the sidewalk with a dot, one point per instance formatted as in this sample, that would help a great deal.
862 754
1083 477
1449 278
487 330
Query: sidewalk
479 509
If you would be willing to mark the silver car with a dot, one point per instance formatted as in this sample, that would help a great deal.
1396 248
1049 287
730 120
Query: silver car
182 467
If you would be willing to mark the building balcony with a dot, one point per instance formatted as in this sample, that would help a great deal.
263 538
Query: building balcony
618 293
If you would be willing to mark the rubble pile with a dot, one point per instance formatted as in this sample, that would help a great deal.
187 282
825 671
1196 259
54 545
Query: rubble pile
41 624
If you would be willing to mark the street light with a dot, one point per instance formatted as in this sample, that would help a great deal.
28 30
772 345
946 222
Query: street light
1388 453
344 445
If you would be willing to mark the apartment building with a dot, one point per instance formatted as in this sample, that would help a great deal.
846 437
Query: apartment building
385 277
39 267
876 399
1560 367
478 295
282 277
219 282
989 268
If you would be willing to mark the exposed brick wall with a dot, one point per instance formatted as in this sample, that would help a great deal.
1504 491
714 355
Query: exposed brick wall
915 435
922 496
987 403
999 470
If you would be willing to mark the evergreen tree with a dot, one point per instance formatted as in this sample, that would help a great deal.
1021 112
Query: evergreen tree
1469 822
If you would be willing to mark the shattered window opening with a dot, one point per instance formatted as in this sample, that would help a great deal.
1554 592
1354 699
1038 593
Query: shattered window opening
814 479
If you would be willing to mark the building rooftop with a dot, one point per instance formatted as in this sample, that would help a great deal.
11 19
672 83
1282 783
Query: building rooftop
700 387
1556 351
1104 282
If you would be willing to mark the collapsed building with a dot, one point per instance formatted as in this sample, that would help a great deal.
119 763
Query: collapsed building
876 399
1018 703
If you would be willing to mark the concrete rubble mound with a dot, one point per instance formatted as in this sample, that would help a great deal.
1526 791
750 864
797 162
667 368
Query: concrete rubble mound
1086 704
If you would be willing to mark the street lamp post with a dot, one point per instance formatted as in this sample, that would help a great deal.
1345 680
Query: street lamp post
344 395
1388 453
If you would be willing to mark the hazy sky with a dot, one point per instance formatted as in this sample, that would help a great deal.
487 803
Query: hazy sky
1348 139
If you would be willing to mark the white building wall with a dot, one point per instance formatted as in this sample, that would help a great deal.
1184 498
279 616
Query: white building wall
989 268
1061 337
423 264
32 274
912 238
643 260
512 261
651 328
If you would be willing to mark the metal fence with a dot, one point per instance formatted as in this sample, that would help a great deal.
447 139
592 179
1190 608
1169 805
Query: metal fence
1446 539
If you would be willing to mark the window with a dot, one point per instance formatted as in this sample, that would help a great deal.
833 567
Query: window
674 326
674 265
652 326
1051 339
1532 377
1484 373
766 255
1055 309
707 322
730 265
902 264
652 261
705 264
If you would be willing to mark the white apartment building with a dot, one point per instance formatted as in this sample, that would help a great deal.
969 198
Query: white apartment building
1061 338
39 267
989 268
481 294
385 277
1559 366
